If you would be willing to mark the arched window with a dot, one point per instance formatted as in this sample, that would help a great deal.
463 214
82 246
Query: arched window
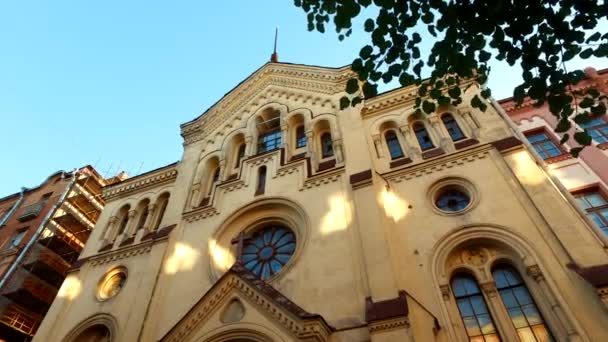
124 219
261 181
394 147
473 309
424 139
95 333
524 313
214 179
452 126
327 149
240 155
300 137
268 250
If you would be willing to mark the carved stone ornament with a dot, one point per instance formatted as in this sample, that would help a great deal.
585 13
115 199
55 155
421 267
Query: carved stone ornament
535 272
489 289
445 292
474 256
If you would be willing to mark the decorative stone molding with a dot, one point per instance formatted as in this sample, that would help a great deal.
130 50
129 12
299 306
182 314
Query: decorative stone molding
233 186
310 79
317 181
141 182
445 292
300 324
535 272
426 168
200 214
389 325
489 289
603 294
123 253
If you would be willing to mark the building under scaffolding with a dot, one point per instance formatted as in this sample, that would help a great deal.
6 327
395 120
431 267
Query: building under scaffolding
42 232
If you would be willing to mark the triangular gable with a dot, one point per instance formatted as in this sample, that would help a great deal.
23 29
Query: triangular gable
275 307
320 80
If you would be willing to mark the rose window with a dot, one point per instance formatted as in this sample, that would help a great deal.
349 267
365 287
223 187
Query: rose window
268 250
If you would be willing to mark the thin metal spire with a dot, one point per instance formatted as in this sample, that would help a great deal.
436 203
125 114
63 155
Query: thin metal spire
275 57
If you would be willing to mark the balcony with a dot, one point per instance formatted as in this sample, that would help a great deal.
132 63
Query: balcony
46 265
31 211
29 291
20 319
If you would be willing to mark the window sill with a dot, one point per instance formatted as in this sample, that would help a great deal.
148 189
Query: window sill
399 162
603 146
465 143
559 158
436 152
326 165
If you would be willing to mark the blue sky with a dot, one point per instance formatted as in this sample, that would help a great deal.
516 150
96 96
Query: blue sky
108 83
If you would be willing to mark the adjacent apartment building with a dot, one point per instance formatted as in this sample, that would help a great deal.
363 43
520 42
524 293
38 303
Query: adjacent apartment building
586 177
42 232
290 219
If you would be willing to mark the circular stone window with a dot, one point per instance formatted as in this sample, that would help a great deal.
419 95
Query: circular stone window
452 196
112 283
268 250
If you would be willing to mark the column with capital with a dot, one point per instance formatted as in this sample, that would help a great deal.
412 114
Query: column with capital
285 140
565 326
249 146
474 128
310 150
222 165
502 320
411 150
151 212
440 133
378 145
130 224
337 146
109 231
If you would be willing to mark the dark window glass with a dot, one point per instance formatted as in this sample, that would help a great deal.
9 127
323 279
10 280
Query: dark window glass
269 141
452 126
300 137
596 206
123 223
424 139
545 147
473 309
240 154
163 207
524 313
394 147
143 217
452 200
597 129
327 149
268 250
261 181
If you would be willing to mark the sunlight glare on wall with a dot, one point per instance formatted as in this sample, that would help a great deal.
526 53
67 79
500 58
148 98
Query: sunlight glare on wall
182 259
524 167
338 216
221 257
394 207
70 288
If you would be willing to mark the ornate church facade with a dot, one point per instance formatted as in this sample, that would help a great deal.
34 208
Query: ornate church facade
289 219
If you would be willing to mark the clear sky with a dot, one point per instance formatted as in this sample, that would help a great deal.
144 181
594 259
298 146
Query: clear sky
108 83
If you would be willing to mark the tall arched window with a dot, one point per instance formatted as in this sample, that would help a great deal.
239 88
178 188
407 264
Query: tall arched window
214 179
424 139
394 147
300 137
240 155
261 181
143 216
473 309
524 313
452 126
124 219
327 149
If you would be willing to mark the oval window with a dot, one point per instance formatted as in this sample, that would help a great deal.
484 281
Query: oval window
112 283
452 199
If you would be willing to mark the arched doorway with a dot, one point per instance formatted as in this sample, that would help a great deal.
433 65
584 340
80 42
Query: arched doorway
94 333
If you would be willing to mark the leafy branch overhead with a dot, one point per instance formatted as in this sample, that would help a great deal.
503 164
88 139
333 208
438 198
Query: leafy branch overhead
540 36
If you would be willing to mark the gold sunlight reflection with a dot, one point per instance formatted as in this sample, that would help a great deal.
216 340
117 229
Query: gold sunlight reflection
525 168
182 259
394 206
339 215
70 288
221 257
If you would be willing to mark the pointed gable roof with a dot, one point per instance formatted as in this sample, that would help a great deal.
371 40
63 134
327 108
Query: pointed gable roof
266 298
323 80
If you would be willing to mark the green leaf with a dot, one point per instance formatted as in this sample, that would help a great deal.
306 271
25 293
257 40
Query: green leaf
356 100
576 151
366 51
586 53
344 102
352 86
428 107
564 138
563 125
369 25
594 37
586 103
582 138
416 38
454 92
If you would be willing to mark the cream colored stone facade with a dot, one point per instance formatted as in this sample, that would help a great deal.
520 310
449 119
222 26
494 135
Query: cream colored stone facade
374 256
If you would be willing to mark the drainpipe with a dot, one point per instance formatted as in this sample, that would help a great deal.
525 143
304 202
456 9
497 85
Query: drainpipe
39 230
552 178
14 207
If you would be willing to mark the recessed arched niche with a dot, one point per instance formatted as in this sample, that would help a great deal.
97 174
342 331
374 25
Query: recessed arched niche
233 312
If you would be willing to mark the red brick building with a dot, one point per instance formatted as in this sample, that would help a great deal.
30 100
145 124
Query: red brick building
42 231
